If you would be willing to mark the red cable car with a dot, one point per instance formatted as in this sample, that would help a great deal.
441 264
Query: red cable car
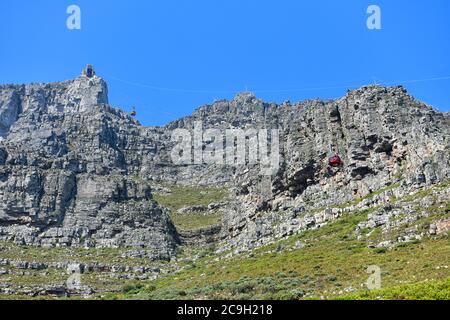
335 161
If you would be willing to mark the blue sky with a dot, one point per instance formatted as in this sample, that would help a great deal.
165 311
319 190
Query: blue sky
167 57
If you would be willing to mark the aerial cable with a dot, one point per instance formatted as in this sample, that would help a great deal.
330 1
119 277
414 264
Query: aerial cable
348 86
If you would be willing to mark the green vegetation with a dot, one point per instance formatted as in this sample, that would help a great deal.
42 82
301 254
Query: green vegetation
329 262
182 196
99 281
195 221
48 255
332 263
426 216
431 290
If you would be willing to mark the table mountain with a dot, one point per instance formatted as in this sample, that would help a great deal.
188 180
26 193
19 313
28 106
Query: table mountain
75 171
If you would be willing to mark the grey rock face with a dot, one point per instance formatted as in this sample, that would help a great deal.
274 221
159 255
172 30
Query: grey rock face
384 136
75 171
10 107
68 171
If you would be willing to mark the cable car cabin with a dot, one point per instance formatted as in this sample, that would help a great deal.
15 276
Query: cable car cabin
335 161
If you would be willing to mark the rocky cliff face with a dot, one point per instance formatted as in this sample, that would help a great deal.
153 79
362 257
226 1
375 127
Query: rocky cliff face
67 170
75 171
386 139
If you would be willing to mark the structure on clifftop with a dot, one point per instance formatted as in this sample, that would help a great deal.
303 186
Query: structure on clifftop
89 71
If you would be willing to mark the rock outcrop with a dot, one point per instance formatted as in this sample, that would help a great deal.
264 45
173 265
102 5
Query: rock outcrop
386 139
68 173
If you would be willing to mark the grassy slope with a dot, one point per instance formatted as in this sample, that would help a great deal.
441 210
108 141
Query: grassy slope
180 197
430 290
332 264
319 270
99 281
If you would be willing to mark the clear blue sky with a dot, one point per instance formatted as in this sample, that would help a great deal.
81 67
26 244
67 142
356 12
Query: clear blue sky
201 50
